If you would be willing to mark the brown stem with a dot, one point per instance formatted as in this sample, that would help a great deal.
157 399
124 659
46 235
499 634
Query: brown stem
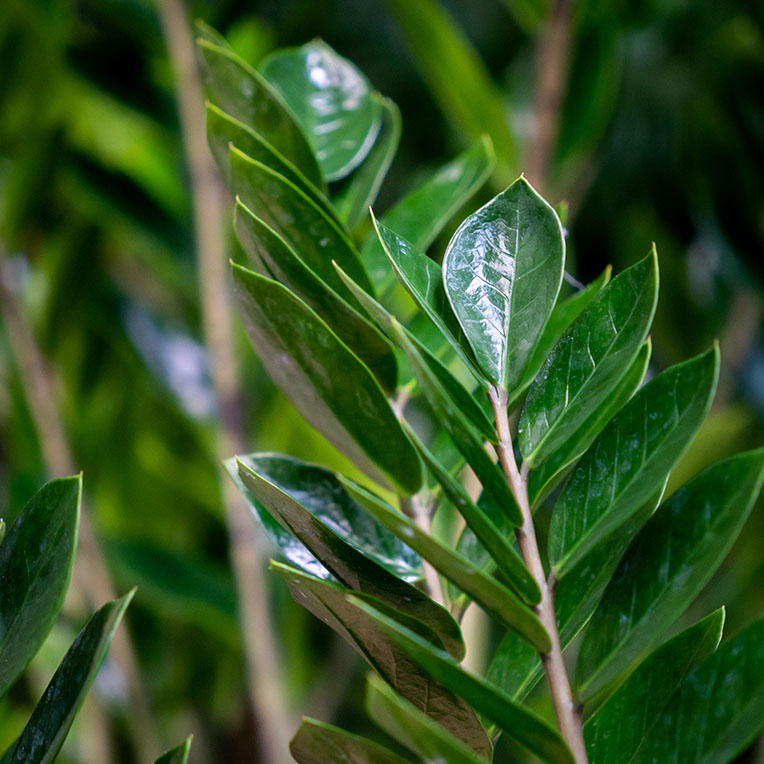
421 515
91 575
264 678
565 708
552 62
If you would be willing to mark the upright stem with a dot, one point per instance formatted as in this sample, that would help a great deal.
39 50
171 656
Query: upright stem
420 514
265 691
566 710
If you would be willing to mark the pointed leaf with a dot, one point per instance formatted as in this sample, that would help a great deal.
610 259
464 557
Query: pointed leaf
716 712
302 355
332 101
271 256
666 567
319 743
52 718
35 566
487 592
631 457
244 94
413 729
618 728
314 236
502 272
333 605
177 755
516 721
587 363
346 563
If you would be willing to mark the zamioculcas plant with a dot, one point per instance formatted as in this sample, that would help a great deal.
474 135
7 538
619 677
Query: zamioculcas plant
491 370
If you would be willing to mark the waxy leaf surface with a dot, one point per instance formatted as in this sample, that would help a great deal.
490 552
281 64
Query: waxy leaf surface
303 356
502 273
631 458
667 565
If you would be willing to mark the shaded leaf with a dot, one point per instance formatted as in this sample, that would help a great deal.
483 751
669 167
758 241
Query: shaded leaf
667 565
502 272
302 356
332 101
36 559
177 755
631 457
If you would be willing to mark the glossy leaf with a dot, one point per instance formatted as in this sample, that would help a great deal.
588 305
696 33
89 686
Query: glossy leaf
487 592
302 356
421 215
177 755
542 478
244 94
413 729
223 130
667 565
361 191
320 743
619 726
271 256
53 716
588 361
348 565
502 273
631 457
464 401
36 559
332 101
486 531
716 712
464 436
518 722
335 607
314 236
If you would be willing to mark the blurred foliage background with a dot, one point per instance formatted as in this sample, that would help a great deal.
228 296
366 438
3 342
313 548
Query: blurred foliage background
646 118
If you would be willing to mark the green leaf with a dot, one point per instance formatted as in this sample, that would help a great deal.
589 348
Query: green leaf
619 726
564 313
414 729
332 101
177 755
354 200
243 93
502 273
667 565
421 215
486 531
464 400
36 559
52 718
223 130
422 278
716 712
271 256
457 77
587 363
487 592
463 434
516 721
335 607
302 356
541 479
319 743
300 222
346 563
631 457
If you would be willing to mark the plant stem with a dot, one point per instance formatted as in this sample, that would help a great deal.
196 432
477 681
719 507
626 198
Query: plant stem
421 515
565 708
263 677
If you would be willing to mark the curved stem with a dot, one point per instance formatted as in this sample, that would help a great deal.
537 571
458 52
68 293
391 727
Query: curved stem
566 710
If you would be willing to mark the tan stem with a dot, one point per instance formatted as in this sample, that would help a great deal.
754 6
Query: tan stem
209 201
421 515
566 710
92 577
